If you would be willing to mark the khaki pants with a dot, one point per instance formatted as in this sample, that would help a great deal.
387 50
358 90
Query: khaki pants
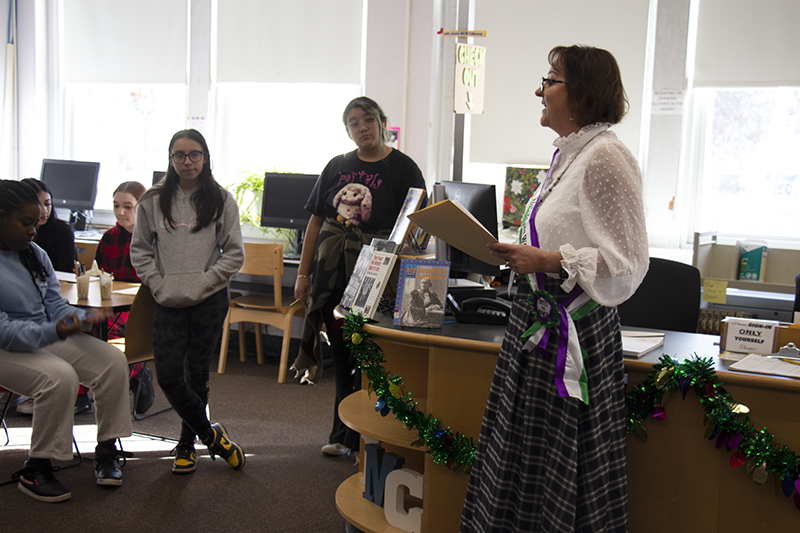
51 376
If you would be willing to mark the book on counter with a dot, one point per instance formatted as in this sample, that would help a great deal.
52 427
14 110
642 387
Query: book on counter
356 277
451 222
353 284
403 229
638 343
371 280
421 293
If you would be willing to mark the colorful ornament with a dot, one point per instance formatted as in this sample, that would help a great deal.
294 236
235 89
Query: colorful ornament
737 459
787 486
734 441
760 474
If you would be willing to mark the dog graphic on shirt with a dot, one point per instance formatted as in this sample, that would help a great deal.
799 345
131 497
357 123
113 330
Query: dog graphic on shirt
353 204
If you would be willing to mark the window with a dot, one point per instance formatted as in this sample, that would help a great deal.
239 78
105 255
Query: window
285 127
749 162
126 127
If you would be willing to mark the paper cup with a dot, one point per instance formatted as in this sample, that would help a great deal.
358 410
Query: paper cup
106 286
83 286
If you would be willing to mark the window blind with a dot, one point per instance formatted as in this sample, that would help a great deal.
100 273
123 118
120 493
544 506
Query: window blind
118 42
741 43
300 41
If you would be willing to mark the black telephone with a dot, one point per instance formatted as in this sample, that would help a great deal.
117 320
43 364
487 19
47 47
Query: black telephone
481 310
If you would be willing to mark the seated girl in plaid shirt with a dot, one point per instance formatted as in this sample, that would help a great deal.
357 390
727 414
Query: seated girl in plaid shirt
113 256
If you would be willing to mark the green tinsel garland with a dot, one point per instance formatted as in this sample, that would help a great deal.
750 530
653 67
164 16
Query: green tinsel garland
646 399
456 451
726 423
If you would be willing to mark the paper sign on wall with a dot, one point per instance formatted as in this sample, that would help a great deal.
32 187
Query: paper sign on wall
470 78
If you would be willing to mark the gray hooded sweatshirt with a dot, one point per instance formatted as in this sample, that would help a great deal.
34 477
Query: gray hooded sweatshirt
183 268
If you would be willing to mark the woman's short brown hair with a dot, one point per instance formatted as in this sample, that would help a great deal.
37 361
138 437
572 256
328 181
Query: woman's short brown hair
594 83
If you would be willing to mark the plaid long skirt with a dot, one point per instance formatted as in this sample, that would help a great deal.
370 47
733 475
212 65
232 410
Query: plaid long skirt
548 464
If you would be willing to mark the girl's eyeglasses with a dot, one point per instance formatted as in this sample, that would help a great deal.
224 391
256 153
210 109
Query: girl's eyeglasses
180 157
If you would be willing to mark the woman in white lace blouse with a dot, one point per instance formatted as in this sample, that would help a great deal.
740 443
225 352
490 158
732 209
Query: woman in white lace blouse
551 455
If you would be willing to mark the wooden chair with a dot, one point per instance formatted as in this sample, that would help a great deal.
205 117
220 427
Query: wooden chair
261 259
138 341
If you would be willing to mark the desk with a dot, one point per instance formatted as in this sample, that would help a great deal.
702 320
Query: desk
118 302
676 481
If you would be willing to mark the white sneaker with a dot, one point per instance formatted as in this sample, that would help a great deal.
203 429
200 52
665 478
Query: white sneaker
25 405
335 449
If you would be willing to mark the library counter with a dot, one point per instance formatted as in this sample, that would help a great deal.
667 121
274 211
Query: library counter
676 477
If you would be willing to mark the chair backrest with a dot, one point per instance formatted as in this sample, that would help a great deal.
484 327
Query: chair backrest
265 259
139 327
668 298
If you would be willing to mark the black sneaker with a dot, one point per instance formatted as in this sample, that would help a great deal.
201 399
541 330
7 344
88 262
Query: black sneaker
221 445
37 481
106 465
185 458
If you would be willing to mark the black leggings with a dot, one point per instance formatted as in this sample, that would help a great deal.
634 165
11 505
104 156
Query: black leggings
345 369
184 340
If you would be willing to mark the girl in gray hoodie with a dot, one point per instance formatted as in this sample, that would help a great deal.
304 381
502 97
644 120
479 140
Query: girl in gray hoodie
187 243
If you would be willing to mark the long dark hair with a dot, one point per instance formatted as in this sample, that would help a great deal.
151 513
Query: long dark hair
14 196
208 201
594 83
45 233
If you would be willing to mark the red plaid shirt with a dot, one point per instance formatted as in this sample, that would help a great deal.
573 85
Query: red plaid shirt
114 254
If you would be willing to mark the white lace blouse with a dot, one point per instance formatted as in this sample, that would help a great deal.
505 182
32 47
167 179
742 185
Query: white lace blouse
591 210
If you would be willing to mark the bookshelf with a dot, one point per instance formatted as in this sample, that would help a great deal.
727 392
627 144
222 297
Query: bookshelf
718 261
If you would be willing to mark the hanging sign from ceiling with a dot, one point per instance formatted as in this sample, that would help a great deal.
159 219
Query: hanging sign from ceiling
470 78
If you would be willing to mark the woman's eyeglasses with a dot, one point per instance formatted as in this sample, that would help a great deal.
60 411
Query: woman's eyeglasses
549 82
180 157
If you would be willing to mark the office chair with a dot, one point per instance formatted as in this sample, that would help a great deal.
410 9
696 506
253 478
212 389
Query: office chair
261 259
668 298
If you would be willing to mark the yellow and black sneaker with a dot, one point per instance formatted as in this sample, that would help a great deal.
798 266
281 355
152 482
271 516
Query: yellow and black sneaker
185 459
221 445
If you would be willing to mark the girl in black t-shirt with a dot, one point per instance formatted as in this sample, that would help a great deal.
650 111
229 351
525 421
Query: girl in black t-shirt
356 198
53 235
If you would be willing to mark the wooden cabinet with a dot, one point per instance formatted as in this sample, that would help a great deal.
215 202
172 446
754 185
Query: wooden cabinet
450 378
676 477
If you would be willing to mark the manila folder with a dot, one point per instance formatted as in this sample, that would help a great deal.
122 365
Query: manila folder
455 225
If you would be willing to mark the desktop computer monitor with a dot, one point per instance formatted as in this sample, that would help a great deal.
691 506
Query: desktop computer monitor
283 203
480 200
73 183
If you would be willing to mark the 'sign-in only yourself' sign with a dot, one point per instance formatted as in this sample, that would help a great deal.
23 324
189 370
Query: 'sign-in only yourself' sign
746 335
470 78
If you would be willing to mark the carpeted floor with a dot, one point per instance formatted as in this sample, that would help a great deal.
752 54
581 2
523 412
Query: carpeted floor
286 486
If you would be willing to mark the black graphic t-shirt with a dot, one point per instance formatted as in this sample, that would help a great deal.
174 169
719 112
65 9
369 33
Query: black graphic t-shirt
367 195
